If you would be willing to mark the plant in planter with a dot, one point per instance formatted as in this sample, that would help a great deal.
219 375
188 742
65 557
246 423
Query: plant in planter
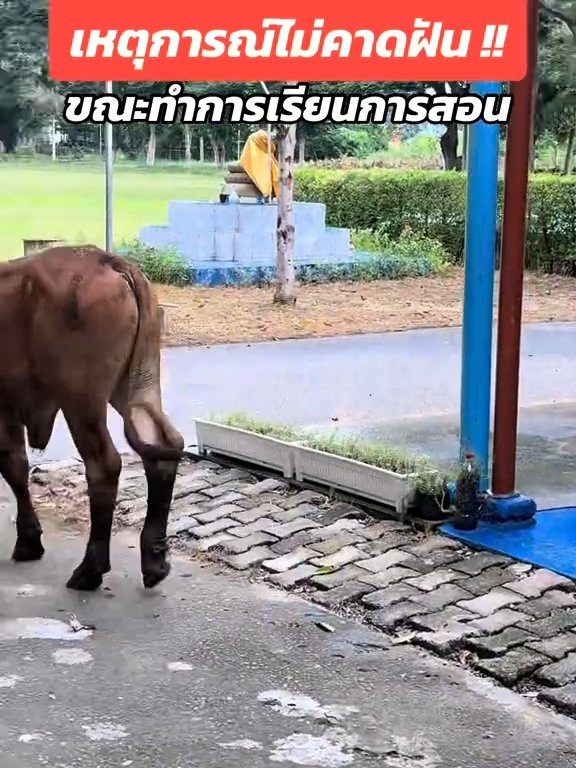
433 495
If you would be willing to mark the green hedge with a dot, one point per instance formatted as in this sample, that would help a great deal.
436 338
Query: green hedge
433 204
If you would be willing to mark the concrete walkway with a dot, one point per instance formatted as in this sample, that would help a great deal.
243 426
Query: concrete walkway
214 672
399 386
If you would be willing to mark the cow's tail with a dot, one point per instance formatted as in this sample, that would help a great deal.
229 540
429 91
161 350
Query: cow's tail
147 429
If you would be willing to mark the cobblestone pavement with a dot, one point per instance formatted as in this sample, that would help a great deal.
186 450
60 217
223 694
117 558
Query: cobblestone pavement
506 620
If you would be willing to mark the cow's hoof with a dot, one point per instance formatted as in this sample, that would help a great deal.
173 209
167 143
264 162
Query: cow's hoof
154 574
27 550
84 579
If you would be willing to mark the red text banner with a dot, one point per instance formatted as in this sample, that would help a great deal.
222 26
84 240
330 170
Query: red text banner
209 41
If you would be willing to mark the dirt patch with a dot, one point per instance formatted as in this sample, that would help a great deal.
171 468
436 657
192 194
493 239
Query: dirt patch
227 315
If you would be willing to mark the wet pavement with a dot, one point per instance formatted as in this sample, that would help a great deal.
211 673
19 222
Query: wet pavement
399 386
210 670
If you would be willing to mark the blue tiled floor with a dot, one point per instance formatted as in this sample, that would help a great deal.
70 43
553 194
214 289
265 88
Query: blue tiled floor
549 541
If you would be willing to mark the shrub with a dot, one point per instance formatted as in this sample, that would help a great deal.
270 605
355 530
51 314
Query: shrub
433 205
160 265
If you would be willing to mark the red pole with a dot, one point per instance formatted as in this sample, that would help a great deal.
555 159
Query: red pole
518 150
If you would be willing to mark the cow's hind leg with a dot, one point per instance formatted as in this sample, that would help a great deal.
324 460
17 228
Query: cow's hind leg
15 470
103 466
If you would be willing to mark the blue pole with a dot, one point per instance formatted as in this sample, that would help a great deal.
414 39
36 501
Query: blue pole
480 249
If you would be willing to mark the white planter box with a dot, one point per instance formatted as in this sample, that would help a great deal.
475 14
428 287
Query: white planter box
379 485
245 446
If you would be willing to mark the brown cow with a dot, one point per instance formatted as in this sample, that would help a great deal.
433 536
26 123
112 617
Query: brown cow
80 328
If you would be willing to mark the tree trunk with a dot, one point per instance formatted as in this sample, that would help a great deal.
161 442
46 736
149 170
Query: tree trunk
187 130
151 149
465 137
301 150
449 147
201 157
285 277
570 151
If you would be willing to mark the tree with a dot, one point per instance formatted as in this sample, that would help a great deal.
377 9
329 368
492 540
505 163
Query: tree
285 277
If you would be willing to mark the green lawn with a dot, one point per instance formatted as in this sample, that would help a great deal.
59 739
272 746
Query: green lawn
44 200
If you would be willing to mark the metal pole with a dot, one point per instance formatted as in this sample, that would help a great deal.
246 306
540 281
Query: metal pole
480 246
53 139
109 160
514 225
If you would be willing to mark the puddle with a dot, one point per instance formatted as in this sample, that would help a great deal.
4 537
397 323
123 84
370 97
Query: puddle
179 666
9 681
304 749
36 628
105 732
299 705
25 590
72 656
248 744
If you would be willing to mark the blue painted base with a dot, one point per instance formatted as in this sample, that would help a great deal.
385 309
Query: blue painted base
547 540
514 508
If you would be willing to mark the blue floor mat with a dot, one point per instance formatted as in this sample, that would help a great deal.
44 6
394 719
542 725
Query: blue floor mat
548 541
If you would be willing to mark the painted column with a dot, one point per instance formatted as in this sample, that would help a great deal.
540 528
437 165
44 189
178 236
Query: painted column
480 251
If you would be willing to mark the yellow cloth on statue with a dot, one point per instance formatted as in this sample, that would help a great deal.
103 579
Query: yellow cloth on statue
259 165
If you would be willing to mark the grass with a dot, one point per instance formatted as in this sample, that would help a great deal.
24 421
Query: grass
40 199
428 479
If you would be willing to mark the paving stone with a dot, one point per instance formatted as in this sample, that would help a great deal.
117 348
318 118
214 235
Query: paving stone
329 580
382 528
385 578
433 544
216 491
180 525
555 647
383 598
439 598
203 531
302 497
264 486
445 639
491 602
480 562
340 526
429 581
280 515
227 498
262 524
499 620
255 513
290 560
558 622
302 539
563 698
205 545
538 582
249 559
350 590
334 544
485 581
499 644
226 510
185 485
294 576
248 502
435 560
392 540
339 559
513 666
280 530
236 546
434 622
332 513
550 601
394 614
559 673
387 560
519 569
186 502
